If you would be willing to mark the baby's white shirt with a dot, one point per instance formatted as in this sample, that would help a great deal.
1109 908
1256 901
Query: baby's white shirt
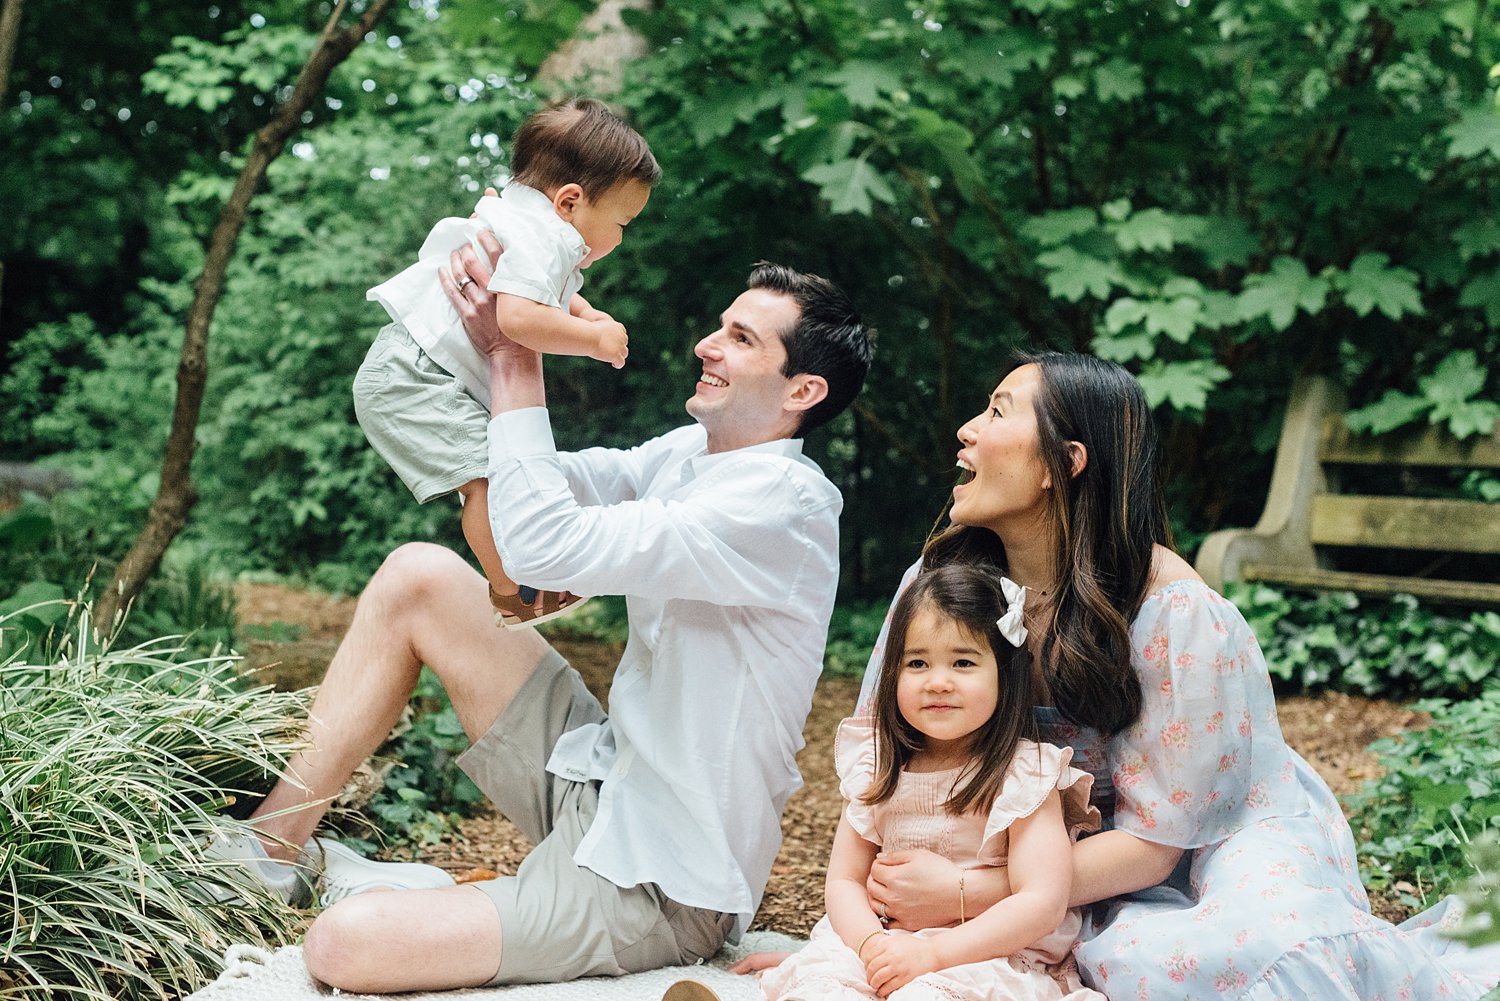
542 259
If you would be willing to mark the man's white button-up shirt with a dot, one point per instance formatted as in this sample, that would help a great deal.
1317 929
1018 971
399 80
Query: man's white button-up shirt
729 564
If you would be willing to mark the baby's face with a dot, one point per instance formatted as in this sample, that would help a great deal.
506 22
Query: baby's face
602 221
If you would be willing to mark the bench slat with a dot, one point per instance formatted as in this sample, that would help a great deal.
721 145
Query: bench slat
1430 447
1465 592
1441 525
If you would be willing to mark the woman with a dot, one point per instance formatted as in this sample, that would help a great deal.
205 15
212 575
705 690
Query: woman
1229 871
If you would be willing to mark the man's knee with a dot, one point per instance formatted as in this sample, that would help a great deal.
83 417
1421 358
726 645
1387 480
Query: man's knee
417 571
335 941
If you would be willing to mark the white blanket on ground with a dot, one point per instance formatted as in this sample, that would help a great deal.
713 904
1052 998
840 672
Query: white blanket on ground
253 974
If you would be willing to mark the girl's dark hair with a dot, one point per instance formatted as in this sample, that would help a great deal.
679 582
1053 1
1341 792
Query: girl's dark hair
970 595
1104 523
580 141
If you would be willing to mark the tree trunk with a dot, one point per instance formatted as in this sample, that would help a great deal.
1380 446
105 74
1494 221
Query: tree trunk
595 56
10 33
177 493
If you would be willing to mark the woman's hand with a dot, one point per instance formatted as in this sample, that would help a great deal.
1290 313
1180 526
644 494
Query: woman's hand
757 961
893 961
912 889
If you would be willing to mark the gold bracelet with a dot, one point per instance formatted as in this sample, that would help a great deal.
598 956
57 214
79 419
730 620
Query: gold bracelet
961 917
862 942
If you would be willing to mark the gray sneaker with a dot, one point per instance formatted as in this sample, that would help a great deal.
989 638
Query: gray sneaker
238 863
345 872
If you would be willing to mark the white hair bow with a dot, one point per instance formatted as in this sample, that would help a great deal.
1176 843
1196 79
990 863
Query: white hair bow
1013 624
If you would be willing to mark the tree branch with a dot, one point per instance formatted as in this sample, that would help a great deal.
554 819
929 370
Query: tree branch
177 493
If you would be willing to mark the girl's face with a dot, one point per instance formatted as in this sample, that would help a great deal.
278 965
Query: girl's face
1002 451
949 684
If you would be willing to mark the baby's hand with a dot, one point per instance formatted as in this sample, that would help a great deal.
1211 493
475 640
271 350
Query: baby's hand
893 961
614 343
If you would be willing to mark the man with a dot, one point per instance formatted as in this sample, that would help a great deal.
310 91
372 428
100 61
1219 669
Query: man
656 825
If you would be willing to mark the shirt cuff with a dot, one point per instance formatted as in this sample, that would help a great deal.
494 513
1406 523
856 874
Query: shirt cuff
519 433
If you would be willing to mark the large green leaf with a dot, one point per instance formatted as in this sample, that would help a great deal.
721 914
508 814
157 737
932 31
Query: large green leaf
1072 275
850 185
1118 80
1183 385
1278 293
1476 133
863 81
1483 292
1371 283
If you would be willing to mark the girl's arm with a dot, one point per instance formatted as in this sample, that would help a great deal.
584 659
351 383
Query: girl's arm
844 895
1041 874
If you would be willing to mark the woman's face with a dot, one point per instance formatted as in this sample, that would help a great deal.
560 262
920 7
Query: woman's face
1002 451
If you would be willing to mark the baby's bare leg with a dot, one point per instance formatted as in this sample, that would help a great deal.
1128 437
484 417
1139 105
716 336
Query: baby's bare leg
481 537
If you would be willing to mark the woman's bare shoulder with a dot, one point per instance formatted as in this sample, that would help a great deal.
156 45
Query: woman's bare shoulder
1167 567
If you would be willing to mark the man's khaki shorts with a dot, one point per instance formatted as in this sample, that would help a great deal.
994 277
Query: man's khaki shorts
558 920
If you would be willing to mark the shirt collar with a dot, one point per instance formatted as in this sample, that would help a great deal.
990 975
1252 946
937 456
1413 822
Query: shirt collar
535 205
696 465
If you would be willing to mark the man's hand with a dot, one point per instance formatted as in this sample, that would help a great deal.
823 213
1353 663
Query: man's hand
904 887
614 344
466 284
893 961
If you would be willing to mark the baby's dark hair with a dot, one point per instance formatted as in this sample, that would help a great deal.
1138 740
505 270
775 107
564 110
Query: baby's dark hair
580 141
970 596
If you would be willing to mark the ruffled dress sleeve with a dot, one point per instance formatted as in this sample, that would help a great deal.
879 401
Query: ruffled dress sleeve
1206 758
1036 771
866 704
854 761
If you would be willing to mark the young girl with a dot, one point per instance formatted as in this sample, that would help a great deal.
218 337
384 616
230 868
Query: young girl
950 763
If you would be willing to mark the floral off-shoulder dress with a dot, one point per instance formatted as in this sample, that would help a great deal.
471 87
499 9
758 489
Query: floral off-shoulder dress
1266 904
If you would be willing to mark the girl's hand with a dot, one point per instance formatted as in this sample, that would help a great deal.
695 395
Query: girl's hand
915 889
893 961
757 961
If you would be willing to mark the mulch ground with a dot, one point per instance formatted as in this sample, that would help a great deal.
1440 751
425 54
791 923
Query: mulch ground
1330 730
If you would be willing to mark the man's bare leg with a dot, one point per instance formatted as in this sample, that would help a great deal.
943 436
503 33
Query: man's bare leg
424 605
378 943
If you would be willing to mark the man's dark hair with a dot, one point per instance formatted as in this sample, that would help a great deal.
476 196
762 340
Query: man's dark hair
828 340
580 141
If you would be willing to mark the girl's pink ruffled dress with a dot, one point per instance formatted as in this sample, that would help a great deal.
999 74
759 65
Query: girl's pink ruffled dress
914 818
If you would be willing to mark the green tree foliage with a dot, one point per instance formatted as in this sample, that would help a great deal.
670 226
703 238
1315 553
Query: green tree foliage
1216 194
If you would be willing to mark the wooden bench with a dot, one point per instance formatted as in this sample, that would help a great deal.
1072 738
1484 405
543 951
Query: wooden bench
1311 525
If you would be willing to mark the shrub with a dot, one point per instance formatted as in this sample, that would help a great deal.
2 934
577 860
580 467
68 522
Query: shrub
118 764
1439 794
1391 648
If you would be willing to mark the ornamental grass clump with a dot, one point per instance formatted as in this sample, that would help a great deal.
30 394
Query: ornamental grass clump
116 766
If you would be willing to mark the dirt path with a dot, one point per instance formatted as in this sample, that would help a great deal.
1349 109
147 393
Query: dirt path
1330 730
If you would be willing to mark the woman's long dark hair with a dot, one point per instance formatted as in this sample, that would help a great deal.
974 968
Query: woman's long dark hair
970 595
1104 523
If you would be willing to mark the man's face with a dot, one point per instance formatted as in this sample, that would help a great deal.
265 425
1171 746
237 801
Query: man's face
741 396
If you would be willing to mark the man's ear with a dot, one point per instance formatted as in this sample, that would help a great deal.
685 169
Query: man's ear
566 198
1078 457
807 391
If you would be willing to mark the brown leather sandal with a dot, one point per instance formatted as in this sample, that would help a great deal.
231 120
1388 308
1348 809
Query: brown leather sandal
689 990
529 606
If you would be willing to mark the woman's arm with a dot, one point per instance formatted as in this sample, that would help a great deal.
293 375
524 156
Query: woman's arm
920 889
849 909
1113 863
1041 865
